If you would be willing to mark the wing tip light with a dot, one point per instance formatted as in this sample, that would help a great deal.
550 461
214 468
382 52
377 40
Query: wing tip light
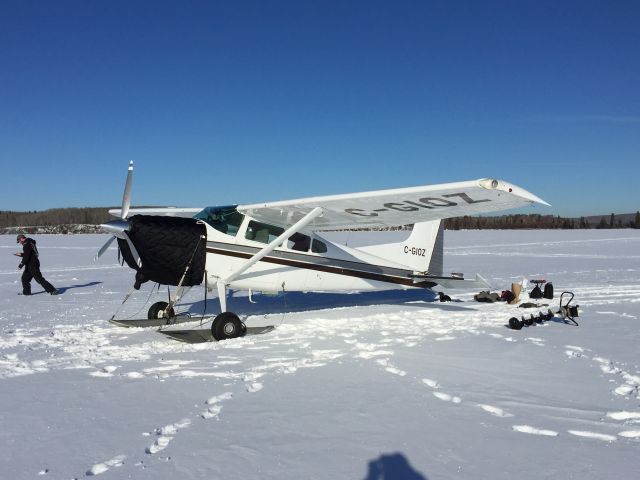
495 184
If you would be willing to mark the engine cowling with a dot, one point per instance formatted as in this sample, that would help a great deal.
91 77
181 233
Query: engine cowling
166 245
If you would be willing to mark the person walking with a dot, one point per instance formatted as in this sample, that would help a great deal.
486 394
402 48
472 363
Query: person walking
31 262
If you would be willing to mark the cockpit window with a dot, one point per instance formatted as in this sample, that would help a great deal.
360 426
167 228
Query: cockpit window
224 219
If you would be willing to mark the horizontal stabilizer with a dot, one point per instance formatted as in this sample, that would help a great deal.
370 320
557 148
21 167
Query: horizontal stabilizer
455 282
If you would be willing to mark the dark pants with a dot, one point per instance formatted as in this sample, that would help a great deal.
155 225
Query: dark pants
33 272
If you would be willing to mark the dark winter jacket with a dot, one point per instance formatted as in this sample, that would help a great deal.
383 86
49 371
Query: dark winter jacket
29 254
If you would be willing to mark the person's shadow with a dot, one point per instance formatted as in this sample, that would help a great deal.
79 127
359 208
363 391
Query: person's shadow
392 467
62 290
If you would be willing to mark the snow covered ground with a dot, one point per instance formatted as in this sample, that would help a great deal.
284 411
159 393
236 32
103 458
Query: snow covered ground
356 386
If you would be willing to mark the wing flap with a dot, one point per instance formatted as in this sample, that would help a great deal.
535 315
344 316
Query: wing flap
396 207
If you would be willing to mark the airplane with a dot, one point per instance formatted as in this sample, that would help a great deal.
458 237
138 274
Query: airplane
278 246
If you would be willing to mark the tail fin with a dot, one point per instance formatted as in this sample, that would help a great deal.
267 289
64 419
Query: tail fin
422 251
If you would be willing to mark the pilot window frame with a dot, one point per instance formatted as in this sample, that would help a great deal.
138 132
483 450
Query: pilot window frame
225 219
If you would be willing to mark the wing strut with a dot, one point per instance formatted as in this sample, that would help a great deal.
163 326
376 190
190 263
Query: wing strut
296 227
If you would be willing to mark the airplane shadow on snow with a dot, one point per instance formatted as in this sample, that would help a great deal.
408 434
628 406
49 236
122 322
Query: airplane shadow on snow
392 467
295 302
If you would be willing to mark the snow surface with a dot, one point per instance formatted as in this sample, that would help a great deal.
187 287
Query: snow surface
385 385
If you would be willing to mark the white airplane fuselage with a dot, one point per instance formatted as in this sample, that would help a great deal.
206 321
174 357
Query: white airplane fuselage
336 268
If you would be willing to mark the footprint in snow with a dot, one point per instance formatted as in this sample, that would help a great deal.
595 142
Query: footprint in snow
396 371
430 383
254 387
632 382
593 435
534 431
624 416
99 468
607 366
105 372
166 434
445 397
495 411
626 390
160 444
390 368
214 408
574 352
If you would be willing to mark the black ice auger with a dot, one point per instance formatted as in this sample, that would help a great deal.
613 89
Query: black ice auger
567 312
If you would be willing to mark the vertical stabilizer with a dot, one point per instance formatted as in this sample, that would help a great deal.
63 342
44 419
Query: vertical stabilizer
422 251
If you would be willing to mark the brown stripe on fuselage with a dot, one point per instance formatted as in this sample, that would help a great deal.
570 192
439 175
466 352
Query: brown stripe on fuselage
379 277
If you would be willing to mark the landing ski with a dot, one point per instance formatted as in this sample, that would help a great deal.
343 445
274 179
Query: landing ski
156 322
203 335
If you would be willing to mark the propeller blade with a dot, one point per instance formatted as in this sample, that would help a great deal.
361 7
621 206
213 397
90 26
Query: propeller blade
104 248
126 198
134 252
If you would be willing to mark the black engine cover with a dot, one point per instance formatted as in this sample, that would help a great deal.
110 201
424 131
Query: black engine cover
166 245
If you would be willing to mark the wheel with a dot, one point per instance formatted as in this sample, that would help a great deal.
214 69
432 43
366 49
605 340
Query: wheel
158 309
227 325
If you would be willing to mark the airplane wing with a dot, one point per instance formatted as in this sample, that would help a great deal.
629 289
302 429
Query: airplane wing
396 207
161 211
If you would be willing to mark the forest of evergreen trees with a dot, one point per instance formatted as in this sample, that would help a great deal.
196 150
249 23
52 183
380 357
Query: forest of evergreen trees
61 218
55 216
531 221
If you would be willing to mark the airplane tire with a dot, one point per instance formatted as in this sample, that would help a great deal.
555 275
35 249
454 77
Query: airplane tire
157 310
227 325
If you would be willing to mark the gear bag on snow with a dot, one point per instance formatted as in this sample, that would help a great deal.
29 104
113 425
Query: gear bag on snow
486 297
536 292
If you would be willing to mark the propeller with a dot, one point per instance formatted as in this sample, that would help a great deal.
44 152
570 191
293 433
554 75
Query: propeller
119 228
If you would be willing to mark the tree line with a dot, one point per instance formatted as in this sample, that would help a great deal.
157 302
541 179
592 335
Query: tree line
54 217
60 217
536 221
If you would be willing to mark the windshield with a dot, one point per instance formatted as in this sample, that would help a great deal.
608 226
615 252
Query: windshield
224 219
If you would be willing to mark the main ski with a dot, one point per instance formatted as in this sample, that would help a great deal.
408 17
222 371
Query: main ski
156 322
204 334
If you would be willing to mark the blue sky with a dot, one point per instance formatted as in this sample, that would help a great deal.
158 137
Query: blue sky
249 101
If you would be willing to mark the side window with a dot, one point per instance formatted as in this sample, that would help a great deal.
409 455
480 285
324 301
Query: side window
262 232
318 247
300 242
